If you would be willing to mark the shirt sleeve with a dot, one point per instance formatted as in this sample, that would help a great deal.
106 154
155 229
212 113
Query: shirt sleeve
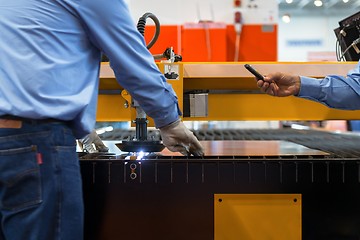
341 92
111 29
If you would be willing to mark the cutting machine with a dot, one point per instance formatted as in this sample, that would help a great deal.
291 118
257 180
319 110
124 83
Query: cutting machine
251 184
232 94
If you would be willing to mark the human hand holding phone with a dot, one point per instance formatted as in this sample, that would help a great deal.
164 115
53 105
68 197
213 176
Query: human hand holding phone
254 72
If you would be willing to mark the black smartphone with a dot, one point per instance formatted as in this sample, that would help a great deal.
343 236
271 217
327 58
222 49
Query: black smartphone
253 71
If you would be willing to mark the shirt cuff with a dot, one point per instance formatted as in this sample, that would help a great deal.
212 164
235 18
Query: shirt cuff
170 118
309 87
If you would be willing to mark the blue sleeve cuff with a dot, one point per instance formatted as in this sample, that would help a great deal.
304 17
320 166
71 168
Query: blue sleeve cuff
309 88
172 117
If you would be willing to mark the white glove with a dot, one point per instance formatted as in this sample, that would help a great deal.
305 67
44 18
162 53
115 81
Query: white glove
177 138
92 143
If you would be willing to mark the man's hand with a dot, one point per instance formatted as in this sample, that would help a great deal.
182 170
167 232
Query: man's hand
177 138
92 143
280 85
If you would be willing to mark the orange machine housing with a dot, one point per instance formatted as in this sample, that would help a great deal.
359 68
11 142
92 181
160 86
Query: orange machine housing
257 42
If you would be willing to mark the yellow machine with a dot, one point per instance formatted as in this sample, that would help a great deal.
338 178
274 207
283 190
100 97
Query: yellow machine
265 193
232 92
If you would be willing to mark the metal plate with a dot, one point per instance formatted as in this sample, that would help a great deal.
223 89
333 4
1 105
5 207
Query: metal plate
252 148
242 148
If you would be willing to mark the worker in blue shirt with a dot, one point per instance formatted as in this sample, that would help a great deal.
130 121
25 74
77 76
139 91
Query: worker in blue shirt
50 54
340 92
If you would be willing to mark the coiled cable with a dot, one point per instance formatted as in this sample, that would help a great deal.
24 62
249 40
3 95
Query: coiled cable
141 27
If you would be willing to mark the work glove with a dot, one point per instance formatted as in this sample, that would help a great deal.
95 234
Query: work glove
177 138
92 143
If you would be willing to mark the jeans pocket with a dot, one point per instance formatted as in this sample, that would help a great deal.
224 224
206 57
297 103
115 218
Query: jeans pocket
20 178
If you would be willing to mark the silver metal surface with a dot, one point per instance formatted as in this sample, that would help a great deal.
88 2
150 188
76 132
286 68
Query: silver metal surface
252 148
198 105
241 148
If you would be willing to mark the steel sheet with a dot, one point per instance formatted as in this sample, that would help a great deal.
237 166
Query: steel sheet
242 148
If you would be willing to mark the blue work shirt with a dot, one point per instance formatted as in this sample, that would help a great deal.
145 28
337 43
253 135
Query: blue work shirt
50 53
340 92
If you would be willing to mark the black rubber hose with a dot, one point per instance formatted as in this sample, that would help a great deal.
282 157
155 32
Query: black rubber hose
141 27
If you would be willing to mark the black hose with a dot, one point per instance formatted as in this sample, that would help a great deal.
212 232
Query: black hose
141 27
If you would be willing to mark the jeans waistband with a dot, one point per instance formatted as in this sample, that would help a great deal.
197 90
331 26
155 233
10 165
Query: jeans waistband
31 121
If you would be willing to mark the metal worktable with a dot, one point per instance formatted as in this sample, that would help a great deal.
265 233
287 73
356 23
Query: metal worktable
173 197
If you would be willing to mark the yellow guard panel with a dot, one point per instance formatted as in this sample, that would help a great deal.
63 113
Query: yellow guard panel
257 216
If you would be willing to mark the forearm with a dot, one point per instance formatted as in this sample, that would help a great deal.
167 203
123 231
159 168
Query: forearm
332 91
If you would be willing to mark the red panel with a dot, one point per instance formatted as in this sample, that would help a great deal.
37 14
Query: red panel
255 44
167 38
204 44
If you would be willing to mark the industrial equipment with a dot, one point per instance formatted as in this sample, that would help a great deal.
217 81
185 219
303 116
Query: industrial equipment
348 38
251 184
140 142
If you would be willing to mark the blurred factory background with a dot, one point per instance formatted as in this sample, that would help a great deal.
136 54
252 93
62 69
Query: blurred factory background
271 30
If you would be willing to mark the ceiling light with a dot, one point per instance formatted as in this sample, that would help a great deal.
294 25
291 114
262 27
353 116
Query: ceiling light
318 3
345 1
286 18
288 1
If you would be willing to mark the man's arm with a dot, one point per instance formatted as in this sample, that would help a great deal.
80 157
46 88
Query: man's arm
333 91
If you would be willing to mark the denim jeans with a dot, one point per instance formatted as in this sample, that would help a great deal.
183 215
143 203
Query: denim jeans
40 183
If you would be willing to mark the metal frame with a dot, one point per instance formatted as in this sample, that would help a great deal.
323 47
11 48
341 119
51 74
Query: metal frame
233 94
